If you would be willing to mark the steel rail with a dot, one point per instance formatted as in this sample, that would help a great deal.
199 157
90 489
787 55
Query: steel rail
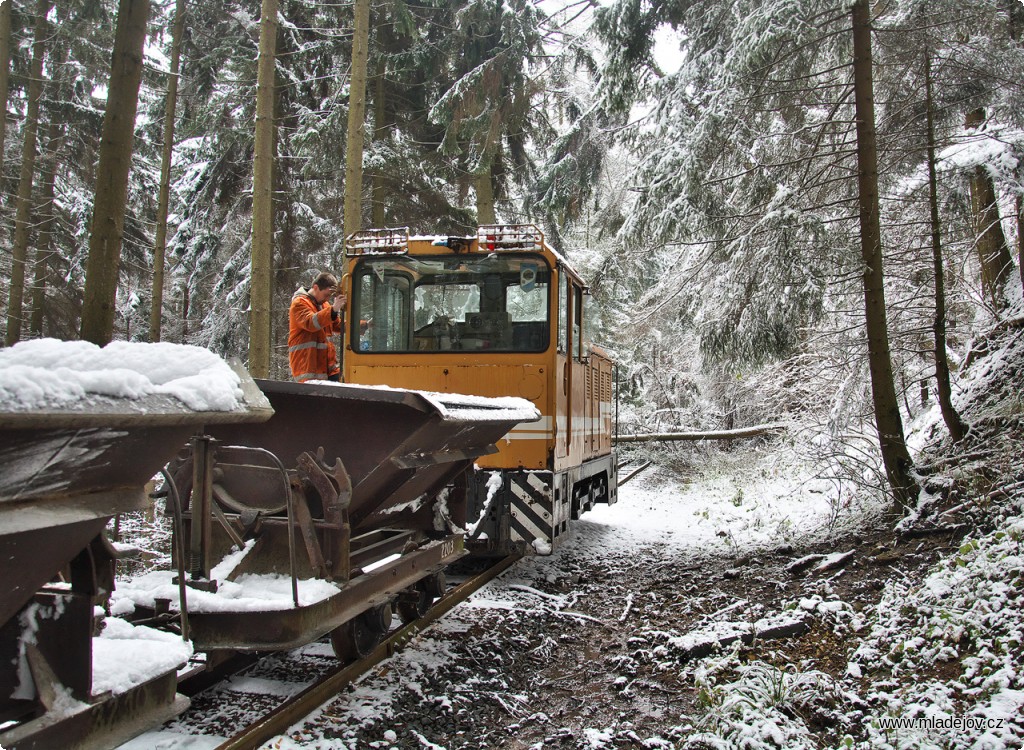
302 704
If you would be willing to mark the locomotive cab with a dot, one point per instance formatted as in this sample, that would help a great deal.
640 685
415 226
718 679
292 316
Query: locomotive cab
498 314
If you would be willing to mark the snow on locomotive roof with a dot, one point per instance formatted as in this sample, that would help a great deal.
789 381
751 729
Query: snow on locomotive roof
48 374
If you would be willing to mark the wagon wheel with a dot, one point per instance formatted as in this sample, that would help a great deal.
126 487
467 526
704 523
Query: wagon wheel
435 585
413 604
360 635
353 640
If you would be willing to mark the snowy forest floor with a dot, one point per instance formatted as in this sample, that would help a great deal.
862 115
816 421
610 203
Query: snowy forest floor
604 643
740 607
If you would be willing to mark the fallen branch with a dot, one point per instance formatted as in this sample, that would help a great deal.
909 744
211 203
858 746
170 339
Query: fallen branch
919 532
1017 322
745 432
629 606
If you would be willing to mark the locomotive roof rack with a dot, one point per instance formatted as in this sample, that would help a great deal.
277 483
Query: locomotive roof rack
389 241
490 237
510 237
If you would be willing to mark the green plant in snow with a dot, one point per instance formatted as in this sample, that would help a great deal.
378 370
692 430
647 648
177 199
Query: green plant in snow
966 613
761 709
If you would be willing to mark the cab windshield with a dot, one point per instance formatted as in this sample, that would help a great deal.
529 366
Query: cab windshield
430 304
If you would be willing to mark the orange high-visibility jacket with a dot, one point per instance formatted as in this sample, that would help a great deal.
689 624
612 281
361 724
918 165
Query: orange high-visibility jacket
311 354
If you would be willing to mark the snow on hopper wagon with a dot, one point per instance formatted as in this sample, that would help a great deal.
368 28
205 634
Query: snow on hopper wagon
82 431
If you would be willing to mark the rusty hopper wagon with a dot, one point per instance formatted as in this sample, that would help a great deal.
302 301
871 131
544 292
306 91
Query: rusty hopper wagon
65 474
357 495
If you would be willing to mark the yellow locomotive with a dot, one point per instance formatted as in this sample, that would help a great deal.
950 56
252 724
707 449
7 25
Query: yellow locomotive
498 314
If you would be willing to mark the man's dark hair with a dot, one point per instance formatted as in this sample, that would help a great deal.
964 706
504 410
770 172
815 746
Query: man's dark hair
325 281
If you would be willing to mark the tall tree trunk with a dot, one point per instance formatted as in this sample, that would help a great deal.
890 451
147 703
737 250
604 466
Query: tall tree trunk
116 141
485 198
163 201
285 235
54 143
23 214
260 290
382 124
356 118
185 310
954 423
1020 238
896 457
5 66
990 240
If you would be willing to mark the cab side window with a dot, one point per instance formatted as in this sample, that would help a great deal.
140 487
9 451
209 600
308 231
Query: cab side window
577 322
564 290
382 312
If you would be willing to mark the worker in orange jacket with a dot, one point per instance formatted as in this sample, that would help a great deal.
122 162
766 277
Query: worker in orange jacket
314 316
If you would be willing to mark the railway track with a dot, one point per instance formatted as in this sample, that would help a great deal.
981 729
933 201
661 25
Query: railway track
261 687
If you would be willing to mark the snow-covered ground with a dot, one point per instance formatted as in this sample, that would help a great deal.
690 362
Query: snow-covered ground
591 646
752 503
740 503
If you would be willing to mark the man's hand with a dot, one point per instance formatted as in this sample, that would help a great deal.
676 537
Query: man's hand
338 302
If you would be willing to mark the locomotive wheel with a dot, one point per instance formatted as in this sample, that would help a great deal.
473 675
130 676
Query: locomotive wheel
360 635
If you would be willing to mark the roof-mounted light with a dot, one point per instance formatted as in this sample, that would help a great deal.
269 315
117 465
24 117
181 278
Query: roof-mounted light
499 237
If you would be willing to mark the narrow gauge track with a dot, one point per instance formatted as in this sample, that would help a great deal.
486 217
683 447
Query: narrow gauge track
299 705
